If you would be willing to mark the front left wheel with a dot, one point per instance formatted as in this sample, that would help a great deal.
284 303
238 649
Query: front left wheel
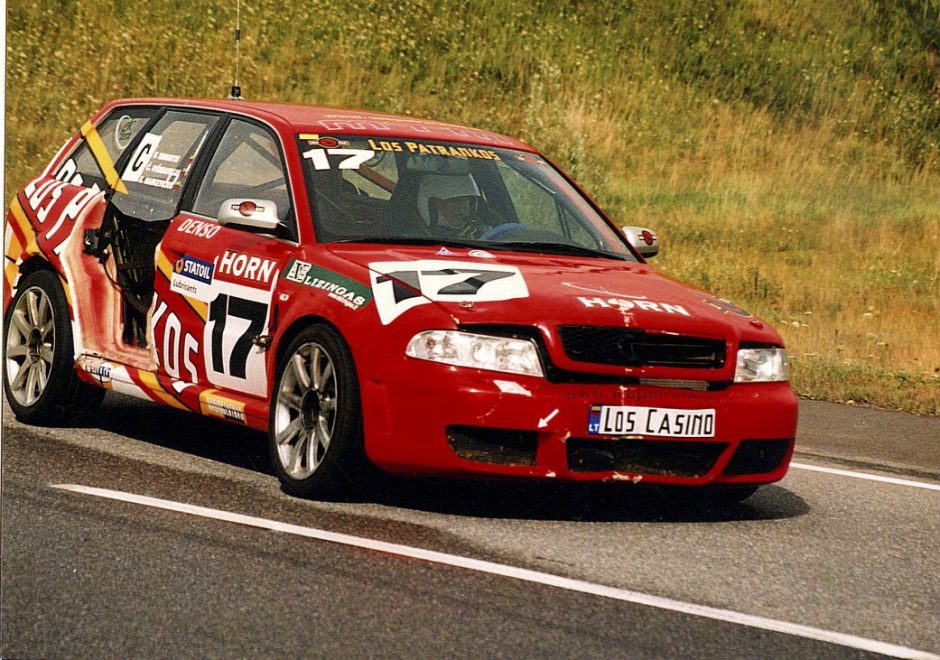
39 371
315 424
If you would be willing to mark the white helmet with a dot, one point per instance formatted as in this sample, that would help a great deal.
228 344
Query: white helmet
444 186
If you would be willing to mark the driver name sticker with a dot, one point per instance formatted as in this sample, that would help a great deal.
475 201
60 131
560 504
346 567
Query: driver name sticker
433 149
159 169
400 285
142 156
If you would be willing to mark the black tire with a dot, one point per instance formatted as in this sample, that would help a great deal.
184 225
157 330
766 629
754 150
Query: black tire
315 423
39 377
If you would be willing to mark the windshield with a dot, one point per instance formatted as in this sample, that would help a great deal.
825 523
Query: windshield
424 192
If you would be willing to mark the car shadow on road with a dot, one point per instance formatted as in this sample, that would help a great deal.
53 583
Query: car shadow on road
183 431
586 502
563 501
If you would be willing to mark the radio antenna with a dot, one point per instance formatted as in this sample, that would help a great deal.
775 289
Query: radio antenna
236 90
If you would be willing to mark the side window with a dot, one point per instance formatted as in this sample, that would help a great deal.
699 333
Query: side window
247 163
157 169
117 131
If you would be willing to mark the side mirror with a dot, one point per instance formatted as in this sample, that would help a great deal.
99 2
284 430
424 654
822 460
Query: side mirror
260 214
642 239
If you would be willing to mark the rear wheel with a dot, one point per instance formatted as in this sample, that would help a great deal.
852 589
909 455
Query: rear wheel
315 425
39 372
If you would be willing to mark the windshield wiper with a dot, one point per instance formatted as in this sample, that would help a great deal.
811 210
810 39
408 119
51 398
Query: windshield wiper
519 246
553 248
409 240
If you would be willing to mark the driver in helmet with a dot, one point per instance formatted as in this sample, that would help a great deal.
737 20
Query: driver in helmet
450 204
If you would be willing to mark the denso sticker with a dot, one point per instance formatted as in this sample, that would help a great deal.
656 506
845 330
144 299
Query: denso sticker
400 285
625 305
199 228
656 422
349 292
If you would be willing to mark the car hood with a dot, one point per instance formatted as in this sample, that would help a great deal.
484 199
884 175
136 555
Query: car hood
477 287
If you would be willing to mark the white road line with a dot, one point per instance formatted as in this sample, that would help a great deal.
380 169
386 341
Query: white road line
504 570
865 475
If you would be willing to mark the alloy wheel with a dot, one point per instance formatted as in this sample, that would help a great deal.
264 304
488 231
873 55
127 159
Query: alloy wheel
305 413
30 346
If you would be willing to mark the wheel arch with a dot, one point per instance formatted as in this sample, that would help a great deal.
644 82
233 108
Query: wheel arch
341 471
33 264
295 328
63 395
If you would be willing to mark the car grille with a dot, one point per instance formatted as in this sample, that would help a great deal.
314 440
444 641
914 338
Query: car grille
758 456
637 348
482 444
653 457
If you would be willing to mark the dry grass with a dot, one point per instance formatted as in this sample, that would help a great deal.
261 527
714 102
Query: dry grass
787 153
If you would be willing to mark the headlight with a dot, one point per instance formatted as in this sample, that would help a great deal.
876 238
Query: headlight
761 365
464 349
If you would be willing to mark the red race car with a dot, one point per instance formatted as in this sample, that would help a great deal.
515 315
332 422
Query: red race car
429 298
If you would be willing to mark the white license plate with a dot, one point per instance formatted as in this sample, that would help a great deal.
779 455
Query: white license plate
654 422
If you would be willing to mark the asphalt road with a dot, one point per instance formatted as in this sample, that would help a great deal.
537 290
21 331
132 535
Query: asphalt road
83 576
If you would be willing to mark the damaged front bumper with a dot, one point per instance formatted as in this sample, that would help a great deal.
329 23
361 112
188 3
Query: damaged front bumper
439 420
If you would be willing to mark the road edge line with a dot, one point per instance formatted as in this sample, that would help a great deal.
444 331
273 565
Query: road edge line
864 475
504 570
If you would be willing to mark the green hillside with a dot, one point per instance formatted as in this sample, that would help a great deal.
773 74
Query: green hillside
787 153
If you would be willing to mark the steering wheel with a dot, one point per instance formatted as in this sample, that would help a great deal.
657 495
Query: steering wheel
499 230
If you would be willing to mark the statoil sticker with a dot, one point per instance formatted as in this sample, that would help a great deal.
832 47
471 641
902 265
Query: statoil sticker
193 278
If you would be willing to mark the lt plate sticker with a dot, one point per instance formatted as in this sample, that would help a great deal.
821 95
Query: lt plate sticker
655 422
